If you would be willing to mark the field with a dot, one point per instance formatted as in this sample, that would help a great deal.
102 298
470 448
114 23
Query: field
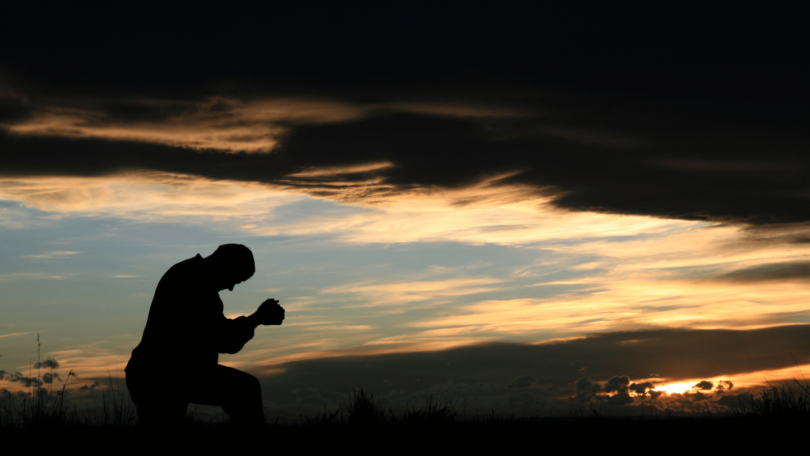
43 414
362 417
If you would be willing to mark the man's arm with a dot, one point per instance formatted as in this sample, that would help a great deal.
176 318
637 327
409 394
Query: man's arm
269 314
234 334
237 332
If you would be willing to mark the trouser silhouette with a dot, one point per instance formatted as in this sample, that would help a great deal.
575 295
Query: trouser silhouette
161 405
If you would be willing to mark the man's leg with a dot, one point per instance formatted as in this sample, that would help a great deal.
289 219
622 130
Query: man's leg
238 393
156 409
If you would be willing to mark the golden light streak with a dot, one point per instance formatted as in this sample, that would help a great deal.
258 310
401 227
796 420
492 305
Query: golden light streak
222 124
741 381
389 294
485 213
156 197
677 388
225 124
338 170
632 304
369 350
18 334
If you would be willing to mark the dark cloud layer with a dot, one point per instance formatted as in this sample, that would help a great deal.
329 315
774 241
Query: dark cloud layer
677 115
511 373
680 174
770 272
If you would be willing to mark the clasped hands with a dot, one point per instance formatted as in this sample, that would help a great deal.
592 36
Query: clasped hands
270 313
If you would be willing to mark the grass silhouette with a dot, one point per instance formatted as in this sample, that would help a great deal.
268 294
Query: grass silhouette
41 407
782 403
361 409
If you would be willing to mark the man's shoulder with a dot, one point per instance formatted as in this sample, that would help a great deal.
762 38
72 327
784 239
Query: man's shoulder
193 262
185 270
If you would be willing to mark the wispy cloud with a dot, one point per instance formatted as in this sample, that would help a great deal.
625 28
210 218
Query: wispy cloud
18 334
332 171
147 197
484 213
220 123
57 254
396 293
15 276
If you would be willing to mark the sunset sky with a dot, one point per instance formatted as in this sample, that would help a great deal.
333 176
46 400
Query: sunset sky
533 209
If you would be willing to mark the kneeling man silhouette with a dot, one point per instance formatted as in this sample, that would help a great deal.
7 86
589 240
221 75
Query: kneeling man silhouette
176 362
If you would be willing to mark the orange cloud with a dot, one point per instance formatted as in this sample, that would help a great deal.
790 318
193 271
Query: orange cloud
755 379
391 294
219 124
147 196
224 124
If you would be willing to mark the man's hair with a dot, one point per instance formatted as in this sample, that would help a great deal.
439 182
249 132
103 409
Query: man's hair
238 258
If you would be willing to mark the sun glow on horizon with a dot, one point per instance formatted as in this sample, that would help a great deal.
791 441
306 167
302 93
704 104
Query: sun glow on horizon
675 388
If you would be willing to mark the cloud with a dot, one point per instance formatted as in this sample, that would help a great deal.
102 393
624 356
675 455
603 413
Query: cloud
641 389
57 254
409 292
17 334
643 287
49 377
621 398
368 158
724 385
17 377
774 272
703 386
214 124
492 374
655 394
617 384
15 276
93 386
49 363
678 134
221 124
585 384
151 197
524 381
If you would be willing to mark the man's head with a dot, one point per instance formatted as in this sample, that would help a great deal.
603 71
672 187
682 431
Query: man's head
231 264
